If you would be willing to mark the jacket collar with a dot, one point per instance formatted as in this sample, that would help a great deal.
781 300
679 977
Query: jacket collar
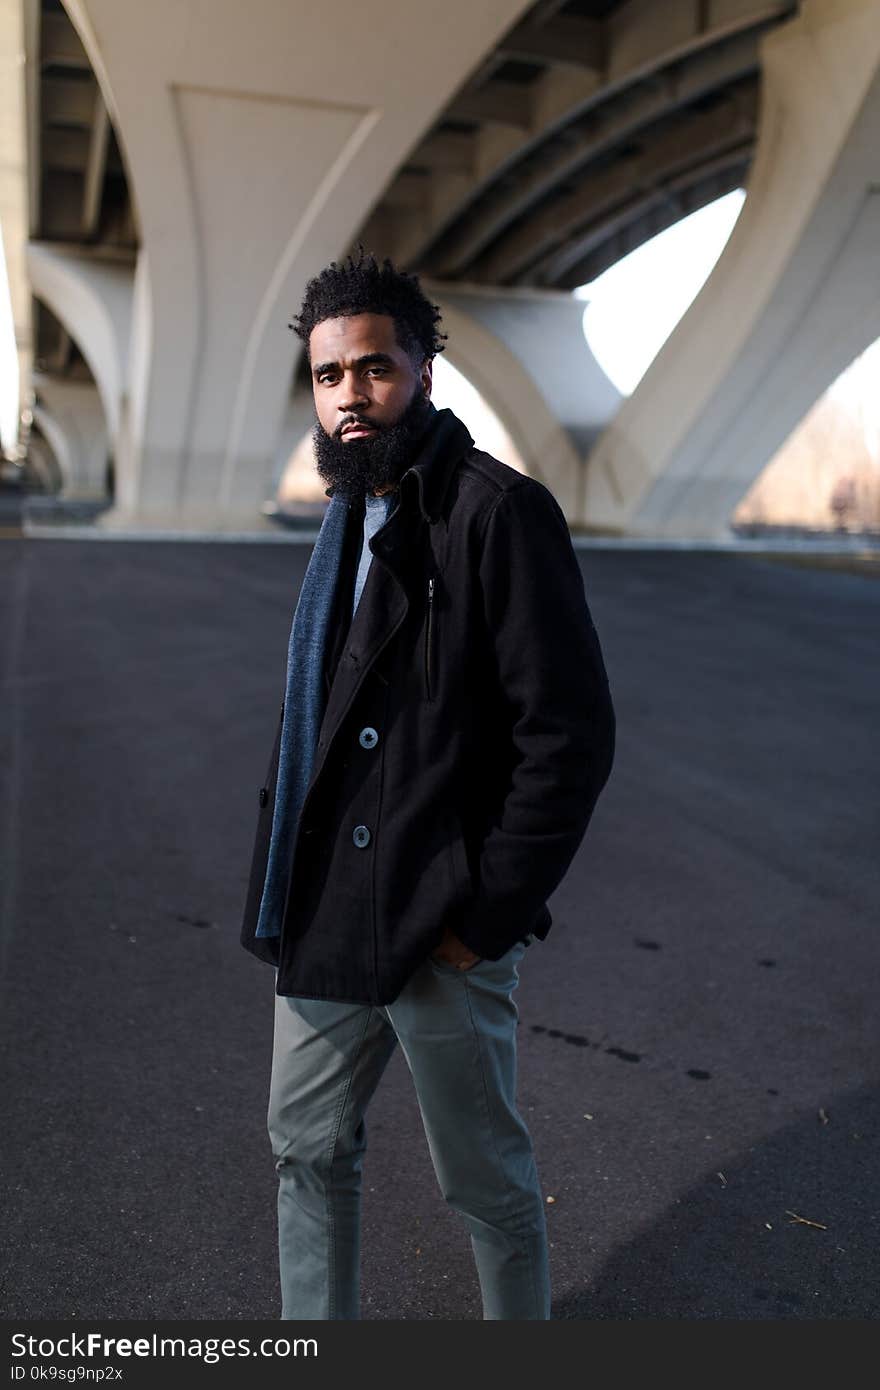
439 448
444 442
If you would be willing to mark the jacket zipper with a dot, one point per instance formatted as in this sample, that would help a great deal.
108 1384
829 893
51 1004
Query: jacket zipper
428 630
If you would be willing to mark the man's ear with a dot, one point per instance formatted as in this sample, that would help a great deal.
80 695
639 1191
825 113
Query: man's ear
426 376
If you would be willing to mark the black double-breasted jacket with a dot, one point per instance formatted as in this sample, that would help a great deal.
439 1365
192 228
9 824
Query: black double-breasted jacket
467 735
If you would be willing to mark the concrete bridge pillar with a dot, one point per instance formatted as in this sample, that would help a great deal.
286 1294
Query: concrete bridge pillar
794 297
526 353
256 138
71 416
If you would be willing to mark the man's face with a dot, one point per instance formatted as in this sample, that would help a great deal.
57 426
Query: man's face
370 399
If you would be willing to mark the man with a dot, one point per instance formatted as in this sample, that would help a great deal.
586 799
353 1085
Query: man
446 731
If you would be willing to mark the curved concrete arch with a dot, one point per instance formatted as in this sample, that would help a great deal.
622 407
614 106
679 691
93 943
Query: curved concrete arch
640 41
58 441
509 386
72 419
597 249
256 143
130 50
615 122
93 300
794 297
551 241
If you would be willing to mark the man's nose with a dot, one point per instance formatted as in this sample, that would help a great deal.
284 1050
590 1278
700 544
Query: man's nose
352 396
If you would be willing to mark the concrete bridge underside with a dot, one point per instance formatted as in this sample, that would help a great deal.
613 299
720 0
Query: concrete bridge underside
258 146
794 297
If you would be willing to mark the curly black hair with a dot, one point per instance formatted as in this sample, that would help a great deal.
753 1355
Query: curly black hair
362 286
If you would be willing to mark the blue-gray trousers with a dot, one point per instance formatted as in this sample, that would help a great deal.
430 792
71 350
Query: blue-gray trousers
457 1030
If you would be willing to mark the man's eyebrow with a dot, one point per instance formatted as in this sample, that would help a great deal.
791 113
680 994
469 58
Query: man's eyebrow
370 359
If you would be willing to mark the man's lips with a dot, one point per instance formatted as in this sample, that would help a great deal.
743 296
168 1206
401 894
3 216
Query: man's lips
357 431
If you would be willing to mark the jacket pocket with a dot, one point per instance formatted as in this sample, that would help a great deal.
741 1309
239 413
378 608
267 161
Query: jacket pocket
446 969
430 641
462 879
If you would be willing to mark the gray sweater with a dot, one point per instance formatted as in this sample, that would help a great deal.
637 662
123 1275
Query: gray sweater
376 513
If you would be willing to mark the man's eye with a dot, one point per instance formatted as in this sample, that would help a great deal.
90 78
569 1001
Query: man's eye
378 370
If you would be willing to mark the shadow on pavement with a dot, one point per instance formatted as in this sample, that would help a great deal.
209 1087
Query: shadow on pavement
732 1248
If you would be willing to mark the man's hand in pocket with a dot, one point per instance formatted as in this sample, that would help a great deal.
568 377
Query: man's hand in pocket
453 952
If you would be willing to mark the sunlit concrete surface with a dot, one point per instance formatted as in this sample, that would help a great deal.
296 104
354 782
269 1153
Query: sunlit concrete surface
16 154
255 140
698 1034
93 300
793 299
526 353
71 417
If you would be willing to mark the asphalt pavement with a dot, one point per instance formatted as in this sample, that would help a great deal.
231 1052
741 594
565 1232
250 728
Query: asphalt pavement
698 1035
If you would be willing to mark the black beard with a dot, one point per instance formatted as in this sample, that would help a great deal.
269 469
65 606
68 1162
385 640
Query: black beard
365 465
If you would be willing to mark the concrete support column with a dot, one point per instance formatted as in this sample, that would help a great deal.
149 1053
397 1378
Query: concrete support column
256 139
16 93
526 353
71 416
793 299
93 300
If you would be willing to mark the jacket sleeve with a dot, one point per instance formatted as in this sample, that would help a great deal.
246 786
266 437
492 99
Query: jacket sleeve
557 705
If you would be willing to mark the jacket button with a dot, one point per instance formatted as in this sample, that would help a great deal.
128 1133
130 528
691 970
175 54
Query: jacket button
264 796
361 836
368 738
